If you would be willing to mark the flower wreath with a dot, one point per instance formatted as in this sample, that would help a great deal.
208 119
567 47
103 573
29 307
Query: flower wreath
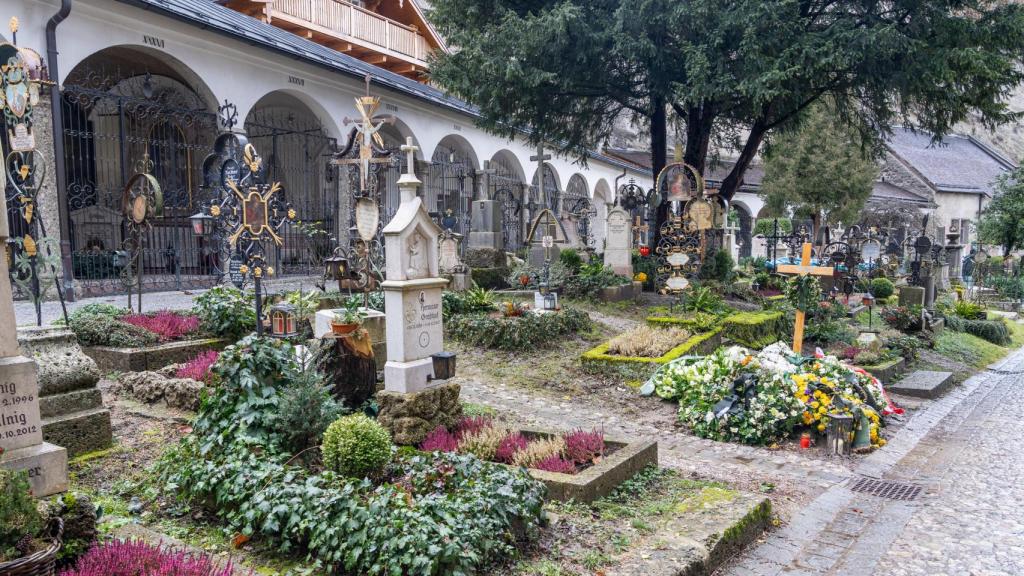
803 292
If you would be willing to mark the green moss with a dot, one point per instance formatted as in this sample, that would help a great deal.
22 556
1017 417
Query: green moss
95 455
707 498
755 329
968 349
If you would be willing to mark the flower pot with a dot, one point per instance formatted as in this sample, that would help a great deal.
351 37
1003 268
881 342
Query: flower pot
42 563
340 328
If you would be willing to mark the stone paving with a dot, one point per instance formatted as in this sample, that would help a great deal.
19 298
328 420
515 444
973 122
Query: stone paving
963 450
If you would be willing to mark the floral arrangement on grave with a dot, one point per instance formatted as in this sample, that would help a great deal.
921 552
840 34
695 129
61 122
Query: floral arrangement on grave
20 526
488 439
348 319
737 395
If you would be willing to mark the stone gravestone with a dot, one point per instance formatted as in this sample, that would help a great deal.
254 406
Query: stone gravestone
450 262
69 401
413 402
21 428
618 247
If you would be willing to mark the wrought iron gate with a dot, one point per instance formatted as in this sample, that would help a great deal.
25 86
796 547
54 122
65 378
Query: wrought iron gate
580 210
298 151
111 125
507 190
448 192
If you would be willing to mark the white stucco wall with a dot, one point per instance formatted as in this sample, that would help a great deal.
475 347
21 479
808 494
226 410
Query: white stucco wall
242 74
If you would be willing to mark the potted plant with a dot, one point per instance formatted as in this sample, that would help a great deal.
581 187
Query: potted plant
23 549
348 319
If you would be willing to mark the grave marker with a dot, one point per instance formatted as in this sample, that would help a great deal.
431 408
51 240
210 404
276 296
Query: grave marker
618 250
21 430
803 269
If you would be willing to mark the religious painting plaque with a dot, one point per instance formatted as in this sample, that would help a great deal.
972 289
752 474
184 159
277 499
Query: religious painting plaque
254 212
679 182
701 216
367 218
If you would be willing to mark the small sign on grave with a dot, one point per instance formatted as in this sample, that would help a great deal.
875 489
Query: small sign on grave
367 218
235 271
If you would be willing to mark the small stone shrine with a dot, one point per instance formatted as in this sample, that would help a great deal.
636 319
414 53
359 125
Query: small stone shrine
618 249
21 428
414 402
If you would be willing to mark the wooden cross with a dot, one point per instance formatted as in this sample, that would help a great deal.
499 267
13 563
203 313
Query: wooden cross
803 269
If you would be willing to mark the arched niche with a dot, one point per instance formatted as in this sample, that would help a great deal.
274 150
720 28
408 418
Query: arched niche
507 186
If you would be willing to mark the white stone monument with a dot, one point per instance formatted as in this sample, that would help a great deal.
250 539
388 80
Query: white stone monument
412 290
618 247
21 429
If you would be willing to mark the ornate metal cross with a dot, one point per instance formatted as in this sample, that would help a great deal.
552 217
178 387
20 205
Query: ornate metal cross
367 134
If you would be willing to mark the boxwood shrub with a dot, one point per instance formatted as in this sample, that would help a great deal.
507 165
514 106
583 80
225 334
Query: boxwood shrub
433 514
995 331
516 332
755 329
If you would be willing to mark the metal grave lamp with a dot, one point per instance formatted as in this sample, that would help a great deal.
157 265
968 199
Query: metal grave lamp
869 301
550 301
283 320
336 267
202 224
444 365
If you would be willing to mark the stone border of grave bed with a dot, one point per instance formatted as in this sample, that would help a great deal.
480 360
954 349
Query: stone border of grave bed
151 357
598 480
888 370
703 343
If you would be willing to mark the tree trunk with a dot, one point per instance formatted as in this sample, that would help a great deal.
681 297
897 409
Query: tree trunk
659 147
731 183
699 121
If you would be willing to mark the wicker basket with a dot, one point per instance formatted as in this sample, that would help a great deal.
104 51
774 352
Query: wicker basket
41 563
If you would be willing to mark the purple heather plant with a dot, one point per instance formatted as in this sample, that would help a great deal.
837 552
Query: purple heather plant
136 558
165 324
198 368
555 463
440 440
584 447
472 425
509 445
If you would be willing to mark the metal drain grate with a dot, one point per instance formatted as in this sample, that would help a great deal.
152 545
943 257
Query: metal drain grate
886 489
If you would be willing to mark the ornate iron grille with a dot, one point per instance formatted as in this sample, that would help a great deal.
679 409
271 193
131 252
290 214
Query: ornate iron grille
580 210
549 197
448 191
297 153
507 189
110 124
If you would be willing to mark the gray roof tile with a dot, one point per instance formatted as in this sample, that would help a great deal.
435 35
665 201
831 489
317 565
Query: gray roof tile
954 164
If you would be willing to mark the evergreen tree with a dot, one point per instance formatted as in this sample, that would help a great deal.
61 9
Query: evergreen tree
562 71
820 169
1002 221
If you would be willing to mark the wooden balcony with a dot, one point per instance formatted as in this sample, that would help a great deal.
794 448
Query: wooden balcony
348 28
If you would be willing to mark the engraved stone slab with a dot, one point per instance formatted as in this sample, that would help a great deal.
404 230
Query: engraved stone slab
923 384
20 424
47 467
618 251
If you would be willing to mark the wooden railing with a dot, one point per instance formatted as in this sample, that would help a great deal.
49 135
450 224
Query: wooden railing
346 20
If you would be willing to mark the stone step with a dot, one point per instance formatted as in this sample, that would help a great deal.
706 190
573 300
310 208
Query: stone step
70 402
80 432
923 384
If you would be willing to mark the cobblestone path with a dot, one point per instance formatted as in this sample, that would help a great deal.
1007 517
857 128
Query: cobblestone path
964 452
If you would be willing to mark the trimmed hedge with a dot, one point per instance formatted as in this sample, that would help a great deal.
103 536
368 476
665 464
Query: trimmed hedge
698 322
755 329
995 331
699 344
491 278
516 332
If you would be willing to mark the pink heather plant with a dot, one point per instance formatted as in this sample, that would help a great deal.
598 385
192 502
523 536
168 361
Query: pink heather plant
556 463
198 368
136 558
584 447
165 324
440 440
511 444
472 425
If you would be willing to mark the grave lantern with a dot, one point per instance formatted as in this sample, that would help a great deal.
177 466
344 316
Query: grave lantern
282 320
444 365
336 268
550 301
202 224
